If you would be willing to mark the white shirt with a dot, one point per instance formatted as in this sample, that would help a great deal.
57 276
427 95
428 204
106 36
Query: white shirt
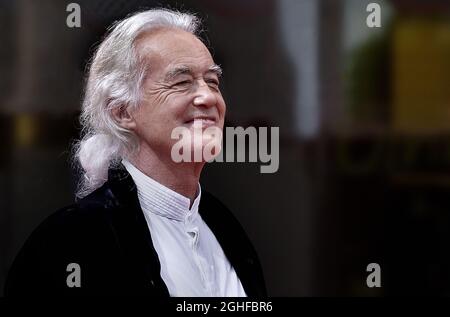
192 260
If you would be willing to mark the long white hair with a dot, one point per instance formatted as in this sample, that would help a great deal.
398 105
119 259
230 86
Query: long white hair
114 80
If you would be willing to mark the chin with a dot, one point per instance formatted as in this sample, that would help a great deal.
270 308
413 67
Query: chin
207 149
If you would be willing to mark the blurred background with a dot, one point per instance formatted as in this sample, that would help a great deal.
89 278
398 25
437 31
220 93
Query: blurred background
364 117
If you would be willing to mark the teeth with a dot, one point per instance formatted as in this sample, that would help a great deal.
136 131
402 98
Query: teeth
198 122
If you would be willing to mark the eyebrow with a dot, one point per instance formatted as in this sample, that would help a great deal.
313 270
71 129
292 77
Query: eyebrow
216 69
181 70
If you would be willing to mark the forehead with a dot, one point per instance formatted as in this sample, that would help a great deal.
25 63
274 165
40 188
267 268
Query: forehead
166 49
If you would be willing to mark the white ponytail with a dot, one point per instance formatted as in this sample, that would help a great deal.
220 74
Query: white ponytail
95 154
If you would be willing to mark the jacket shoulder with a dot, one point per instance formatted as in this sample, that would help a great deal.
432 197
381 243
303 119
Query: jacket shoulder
76 231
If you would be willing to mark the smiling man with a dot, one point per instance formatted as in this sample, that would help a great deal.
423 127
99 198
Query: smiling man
142 223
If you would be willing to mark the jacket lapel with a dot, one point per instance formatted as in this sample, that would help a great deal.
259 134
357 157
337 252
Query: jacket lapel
234 243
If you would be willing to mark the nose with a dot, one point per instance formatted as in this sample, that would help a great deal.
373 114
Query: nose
204 97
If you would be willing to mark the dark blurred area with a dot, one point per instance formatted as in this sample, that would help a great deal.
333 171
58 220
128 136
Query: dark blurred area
364 117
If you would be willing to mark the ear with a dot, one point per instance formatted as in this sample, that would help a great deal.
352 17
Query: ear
124 118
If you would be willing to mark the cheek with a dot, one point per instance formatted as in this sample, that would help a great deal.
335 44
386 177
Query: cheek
222 107
147 120
177 109
162 113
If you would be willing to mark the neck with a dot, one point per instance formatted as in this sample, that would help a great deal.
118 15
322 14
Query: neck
181 177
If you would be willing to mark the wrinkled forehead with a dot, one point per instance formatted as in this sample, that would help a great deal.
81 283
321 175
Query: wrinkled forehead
165 49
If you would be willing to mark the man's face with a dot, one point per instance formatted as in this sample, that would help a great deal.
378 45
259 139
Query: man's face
181 89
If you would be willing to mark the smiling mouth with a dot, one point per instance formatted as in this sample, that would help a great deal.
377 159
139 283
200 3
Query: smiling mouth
204 121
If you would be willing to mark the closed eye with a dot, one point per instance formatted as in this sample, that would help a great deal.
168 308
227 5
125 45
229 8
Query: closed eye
213 83
182 83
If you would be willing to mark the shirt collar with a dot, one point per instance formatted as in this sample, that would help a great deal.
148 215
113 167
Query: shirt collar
161 200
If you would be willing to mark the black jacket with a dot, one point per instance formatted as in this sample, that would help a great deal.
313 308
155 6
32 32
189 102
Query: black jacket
107 235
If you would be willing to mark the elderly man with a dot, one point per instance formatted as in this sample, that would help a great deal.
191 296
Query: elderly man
142 223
